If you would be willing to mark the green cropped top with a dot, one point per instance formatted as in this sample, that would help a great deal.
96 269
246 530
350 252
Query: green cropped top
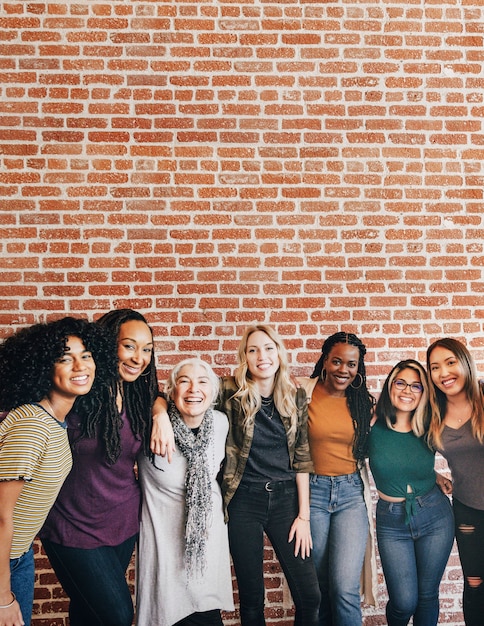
402 464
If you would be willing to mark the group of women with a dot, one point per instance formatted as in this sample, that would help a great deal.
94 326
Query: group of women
207 470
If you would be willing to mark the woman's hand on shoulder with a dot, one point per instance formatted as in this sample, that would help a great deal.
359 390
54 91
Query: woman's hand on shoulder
162 440
301 534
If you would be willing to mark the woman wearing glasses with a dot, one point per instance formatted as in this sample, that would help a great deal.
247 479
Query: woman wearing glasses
414 522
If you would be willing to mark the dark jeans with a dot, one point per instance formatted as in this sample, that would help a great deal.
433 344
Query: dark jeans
469 531
95 581
204 618
414 556
252 511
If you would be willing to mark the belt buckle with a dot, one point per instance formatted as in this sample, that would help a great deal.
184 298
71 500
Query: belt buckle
267 486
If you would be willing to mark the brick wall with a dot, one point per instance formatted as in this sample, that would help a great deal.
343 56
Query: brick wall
316 165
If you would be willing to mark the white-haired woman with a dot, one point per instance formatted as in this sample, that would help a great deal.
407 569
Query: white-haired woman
184 575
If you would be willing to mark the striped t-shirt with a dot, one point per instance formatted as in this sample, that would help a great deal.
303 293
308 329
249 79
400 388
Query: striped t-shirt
34 448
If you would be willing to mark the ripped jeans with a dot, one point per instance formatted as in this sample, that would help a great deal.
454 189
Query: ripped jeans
469 532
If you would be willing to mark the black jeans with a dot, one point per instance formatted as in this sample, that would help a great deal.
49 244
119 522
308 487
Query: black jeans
252 511
95 582
469 532
203 618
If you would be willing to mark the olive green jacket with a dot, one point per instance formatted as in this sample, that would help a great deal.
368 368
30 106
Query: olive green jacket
239 441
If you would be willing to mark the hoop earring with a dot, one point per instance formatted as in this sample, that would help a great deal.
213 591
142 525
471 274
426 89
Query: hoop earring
323 375
147 373
361 381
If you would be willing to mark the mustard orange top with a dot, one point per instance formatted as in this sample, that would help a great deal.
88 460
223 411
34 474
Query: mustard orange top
331 434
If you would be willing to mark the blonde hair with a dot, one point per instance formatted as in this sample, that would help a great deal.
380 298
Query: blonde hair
248 393
473 390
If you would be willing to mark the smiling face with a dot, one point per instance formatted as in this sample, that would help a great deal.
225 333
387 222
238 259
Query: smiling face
341 368
262 357
192 393
73 374
446 371
404 393
135 347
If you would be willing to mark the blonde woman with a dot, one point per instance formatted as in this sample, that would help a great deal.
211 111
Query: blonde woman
266 476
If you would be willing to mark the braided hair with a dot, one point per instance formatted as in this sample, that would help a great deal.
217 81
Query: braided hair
138 397
359 400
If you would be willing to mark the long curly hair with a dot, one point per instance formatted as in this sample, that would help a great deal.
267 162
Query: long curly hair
27 360
138 396
473 389
360 401
284 389
385 411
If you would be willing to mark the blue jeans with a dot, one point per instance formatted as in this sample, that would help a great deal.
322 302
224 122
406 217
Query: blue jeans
22 574
414 556
252 511
339 527
469 531
95 581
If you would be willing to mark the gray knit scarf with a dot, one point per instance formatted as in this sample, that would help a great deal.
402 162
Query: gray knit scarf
198 498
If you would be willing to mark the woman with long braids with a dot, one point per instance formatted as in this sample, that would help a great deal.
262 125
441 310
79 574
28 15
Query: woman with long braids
45 370
457 432
340 411
91 531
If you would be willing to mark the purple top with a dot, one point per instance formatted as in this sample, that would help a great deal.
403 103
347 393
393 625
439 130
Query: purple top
99 504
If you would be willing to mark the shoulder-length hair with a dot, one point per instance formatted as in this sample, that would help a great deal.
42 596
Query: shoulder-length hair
212 376
248 393
473 390
359 400
138 396
385 411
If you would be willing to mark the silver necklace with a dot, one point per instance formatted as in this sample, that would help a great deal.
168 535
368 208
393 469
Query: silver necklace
52 412
267 404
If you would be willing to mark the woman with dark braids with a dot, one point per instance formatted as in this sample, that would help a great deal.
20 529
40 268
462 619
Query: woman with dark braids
45 370
91 531
340 410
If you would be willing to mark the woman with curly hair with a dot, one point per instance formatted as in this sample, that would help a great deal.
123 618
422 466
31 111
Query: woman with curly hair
45 371
266 476
91 531
457 432
340 410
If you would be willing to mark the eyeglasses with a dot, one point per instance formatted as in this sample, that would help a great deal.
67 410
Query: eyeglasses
401 385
